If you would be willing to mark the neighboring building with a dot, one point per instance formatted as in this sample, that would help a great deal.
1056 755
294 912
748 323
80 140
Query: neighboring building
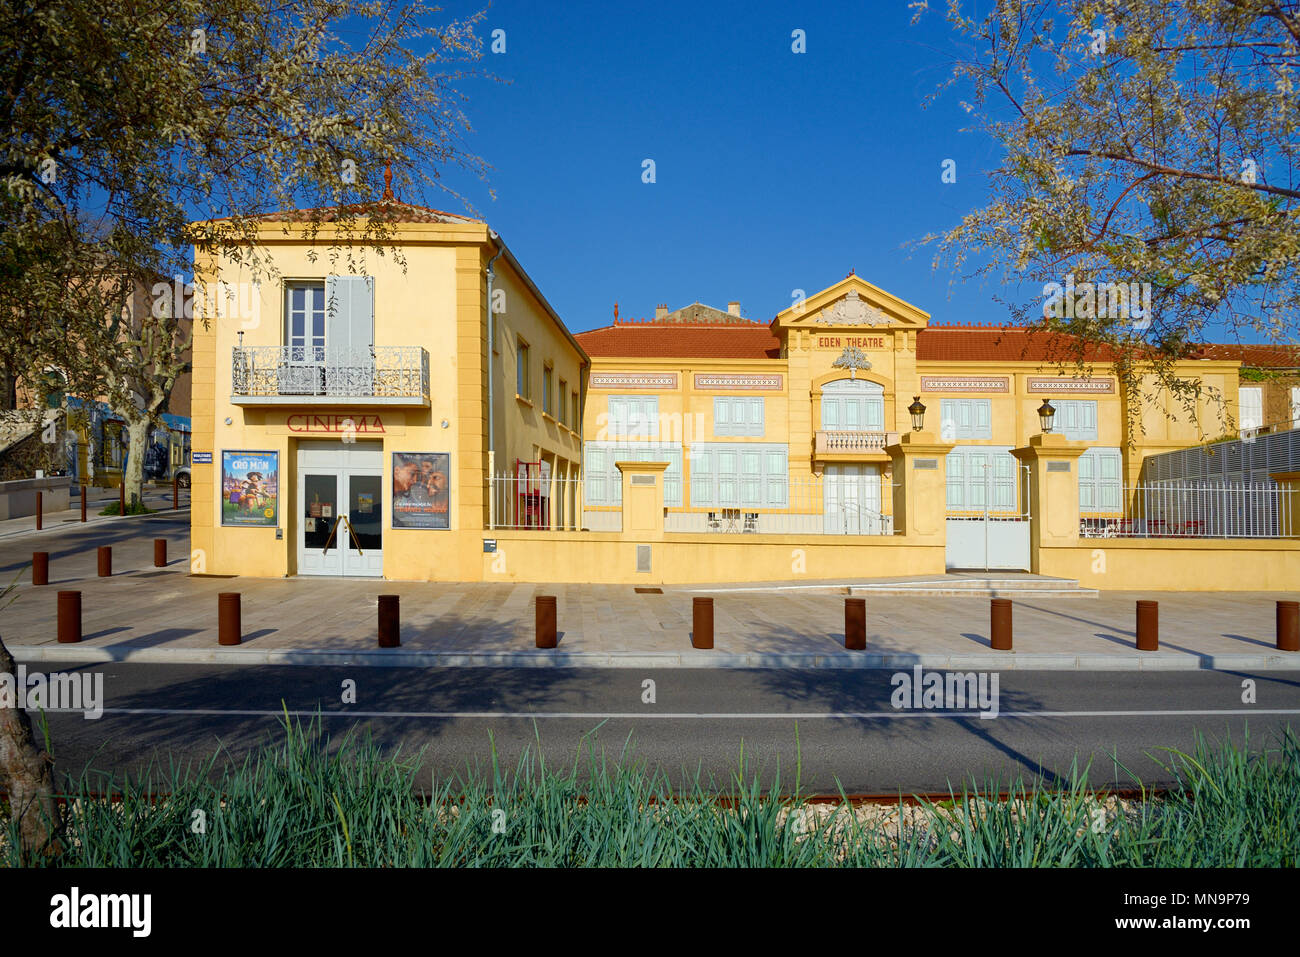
352 420
761 419
1270 385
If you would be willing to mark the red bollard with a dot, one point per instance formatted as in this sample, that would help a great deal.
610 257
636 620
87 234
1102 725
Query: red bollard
105 561
176 492
1288 626
229 630
1148 626
40 568
1000 624
390 622
160 553
702 623
855 624
544 620
40 508
69 617
84 488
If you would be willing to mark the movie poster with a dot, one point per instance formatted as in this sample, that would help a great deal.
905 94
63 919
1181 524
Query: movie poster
421 492
250 489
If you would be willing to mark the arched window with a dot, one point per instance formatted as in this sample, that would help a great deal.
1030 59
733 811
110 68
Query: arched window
853 405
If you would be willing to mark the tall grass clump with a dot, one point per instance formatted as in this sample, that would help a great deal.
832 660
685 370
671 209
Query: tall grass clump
303 800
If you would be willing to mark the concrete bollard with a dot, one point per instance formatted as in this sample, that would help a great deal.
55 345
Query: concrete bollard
390 621
105 561
1148 626
69 617
160 553
229 628
545 621
1288 626
40 509
702 623
40 568
855 624
1000 624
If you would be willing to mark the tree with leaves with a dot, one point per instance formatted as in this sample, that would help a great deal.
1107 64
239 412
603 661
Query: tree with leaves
1147 147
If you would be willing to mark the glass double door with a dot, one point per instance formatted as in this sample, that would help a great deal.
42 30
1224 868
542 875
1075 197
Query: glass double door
852 500
341 521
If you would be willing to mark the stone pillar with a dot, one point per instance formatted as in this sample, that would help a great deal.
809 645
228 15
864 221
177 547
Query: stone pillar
1053 494
643 499
1289 506
920 487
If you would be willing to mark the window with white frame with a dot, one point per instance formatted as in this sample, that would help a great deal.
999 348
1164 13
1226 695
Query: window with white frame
633 417
1100 480
1076 418
980 476
304 319
853 405
739 475
1295 406
738 415
965 419
1251 399
603 482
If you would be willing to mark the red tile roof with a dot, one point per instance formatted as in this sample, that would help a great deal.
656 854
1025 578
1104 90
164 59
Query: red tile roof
1255 356
393 211
678 340
1002 344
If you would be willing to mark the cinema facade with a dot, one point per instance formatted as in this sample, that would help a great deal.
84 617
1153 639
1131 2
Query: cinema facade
383 422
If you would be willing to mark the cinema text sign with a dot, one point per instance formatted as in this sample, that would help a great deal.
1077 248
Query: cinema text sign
335 424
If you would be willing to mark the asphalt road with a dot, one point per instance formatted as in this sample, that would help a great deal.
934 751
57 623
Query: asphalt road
839 724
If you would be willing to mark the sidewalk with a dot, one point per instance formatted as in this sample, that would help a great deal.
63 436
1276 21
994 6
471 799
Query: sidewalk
99 498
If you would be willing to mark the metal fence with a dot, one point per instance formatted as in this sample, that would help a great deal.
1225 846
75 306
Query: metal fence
379 371
1200 510
537 502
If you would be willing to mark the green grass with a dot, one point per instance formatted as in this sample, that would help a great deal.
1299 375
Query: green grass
134 508
301 802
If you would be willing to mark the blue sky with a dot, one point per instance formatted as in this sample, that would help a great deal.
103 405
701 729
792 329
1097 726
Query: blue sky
775 171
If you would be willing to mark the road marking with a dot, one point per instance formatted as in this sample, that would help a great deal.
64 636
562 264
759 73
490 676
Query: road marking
693 715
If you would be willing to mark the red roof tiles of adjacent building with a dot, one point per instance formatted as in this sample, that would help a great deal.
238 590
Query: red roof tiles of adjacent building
393 211
1003 344
679 340
1255 356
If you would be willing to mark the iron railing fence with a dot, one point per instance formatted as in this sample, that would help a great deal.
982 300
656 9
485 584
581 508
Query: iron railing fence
1201 510
539 501
375 372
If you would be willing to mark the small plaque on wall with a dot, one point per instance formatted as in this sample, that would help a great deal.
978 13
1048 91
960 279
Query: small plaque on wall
926 464
1058 466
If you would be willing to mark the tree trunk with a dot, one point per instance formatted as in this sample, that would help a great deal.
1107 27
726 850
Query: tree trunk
26 774
137 431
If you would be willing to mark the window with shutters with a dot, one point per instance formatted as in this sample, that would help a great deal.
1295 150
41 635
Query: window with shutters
853 405
1076 418
521 369
561 401
965 419
736 475
634 417
547 378
1251 399
1100 481
980 477
604 482
736 415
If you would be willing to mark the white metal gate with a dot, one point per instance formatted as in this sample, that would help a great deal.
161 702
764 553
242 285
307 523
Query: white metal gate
987 524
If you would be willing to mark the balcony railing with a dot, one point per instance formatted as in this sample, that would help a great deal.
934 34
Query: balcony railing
835 442
392 374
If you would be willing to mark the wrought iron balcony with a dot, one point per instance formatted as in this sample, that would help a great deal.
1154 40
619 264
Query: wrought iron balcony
380 375
832 443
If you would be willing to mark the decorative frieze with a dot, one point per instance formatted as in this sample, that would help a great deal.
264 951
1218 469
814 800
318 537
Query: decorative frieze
634 380
737 381
1062 385
966 383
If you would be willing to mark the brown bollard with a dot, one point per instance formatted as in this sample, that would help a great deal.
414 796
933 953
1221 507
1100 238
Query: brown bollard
1288 626
40 509
84 488
176 492
105 561
160 553
121 497
69 617
855 624
1148 626
1000 624
545 621
229 629
390 621
41 569
702 623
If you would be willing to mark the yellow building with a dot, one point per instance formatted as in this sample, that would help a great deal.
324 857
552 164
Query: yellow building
341 404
